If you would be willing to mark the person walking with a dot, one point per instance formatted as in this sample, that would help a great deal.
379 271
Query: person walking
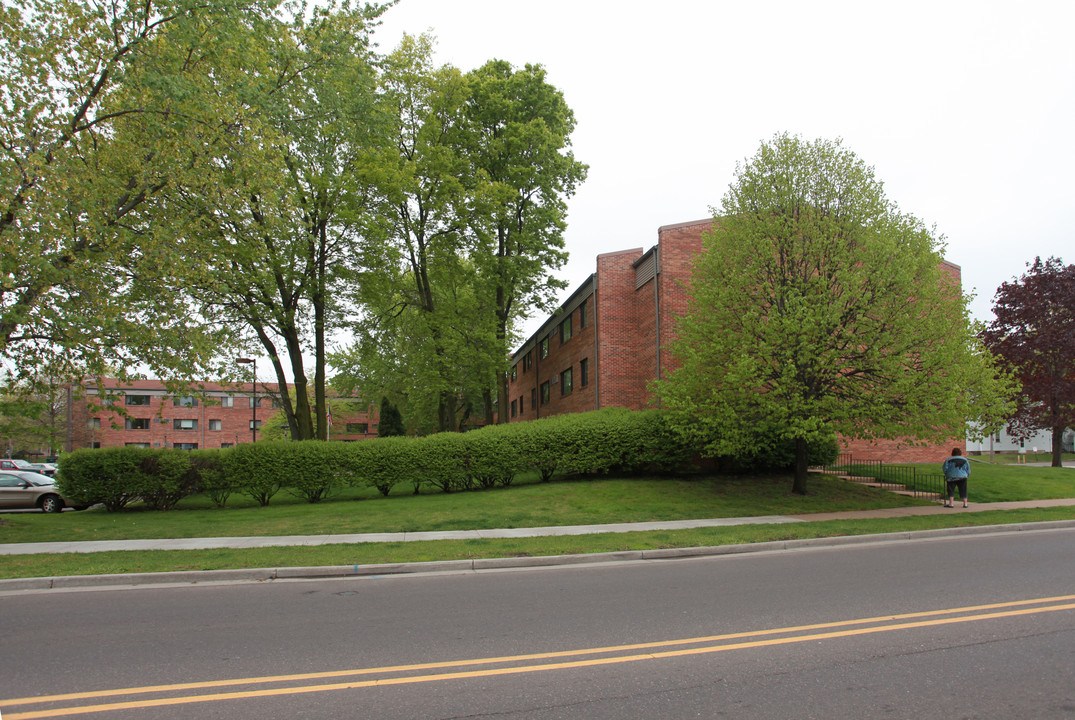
956 471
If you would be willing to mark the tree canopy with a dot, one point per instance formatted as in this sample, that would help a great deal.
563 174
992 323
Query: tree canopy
470 211
1033 334
185 181
818 306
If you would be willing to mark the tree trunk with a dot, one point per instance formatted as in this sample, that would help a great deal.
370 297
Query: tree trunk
1058 446
802 457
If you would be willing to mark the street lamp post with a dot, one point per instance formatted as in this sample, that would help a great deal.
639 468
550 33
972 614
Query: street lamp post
254 398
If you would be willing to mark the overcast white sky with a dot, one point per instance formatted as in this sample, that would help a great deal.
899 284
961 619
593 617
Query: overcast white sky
966 110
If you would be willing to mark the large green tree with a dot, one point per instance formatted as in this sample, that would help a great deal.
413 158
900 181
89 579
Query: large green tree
818 306
517 139
102 107
1033 333
472 206
425 335
286 207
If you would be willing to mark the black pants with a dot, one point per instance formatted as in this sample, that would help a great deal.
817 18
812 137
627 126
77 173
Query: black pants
960 483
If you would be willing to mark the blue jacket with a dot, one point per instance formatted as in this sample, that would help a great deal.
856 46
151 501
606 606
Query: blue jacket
956 467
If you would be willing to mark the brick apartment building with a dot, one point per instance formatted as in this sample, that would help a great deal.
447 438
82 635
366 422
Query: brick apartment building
213 416
607 342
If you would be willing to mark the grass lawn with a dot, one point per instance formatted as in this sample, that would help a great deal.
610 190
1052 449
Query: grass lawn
566 502
532 504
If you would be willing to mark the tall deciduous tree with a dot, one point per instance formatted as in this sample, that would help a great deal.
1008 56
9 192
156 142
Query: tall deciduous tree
817 306
279 222
1033 333
518 140
474 211
77 245
425 334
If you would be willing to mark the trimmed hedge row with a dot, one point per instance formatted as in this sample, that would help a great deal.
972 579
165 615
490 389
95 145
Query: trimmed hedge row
613 440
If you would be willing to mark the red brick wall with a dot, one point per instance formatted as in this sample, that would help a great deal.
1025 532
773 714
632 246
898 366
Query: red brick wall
620 342
679 245
161 412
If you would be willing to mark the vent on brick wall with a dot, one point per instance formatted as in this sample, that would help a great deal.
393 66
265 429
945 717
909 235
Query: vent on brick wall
645 270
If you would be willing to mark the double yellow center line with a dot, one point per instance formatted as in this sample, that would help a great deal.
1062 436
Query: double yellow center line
185 693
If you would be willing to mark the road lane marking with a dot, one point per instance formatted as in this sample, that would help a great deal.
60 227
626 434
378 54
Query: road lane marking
1014 609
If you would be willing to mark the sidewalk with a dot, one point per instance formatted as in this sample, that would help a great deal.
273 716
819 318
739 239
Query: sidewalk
309 540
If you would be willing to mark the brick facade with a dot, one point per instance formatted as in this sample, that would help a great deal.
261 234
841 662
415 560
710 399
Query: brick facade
213 416
632 303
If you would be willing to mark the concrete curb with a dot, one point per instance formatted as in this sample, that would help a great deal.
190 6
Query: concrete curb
188 578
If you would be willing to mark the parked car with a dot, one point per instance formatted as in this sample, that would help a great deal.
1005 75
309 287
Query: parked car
45 468
10 464
23 490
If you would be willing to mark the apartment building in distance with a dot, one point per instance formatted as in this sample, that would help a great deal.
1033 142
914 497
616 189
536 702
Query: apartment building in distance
607 342
213 416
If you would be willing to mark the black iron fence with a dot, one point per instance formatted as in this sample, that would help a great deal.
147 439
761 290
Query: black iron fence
897 478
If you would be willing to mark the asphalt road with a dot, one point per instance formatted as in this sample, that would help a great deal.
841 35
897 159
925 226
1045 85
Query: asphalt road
956 627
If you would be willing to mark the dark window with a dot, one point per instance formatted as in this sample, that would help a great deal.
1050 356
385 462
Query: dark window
544 350
545 393
215 425
94 445
228 401
185 446
137 399
514 408
582 314
227 445
565 330
95 422
187 401
565 382
528 360
533 397
180 424
255 402
514 372
358 428
254 425
521 410
584 372
136 424
137 445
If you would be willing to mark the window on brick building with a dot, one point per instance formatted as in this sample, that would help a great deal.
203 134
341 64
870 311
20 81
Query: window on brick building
187 401
533 397
94 445
545 395
94 423
184 424
254 425
228 401
514 372
185 446
582 314
565 330
136 424
227 445
276 403
136 444
566 385
136 399
584 372
255 402
358 428
514 408
528 361
521 410
544 348
215 425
